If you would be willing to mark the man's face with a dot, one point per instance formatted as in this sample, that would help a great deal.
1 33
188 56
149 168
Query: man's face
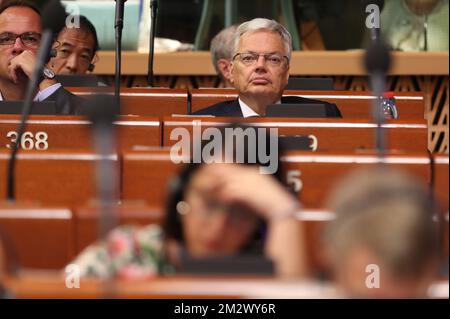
75 50
261 78
16 20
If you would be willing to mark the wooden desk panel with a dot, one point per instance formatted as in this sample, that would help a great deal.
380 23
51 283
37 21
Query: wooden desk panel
52 285
144 101
331 134
41 237
48 238
352 104
314 175
146 175
32 284
302 63
53 177
74 132
441 180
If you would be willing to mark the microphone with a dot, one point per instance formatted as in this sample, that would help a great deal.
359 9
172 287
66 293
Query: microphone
53 20
151 53
425 33
377 58
377 62
118 26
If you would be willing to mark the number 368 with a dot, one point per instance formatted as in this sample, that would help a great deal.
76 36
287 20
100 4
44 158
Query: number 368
38 141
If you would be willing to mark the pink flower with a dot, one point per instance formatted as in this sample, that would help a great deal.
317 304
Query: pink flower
118 243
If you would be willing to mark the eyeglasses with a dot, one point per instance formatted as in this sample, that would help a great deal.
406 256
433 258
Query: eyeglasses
237 215
29 39
84 57
250 58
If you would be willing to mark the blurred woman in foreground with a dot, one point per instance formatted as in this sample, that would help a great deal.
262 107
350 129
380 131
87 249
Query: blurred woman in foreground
213 210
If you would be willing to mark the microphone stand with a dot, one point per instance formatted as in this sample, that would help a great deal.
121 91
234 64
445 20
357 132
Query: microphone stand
151 53
425 33
377 61
104 136
375 34
118 26
53 18
36 77
378 81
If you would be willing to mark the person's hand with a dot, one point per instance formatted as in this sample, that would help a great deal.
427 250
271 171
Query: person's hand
263 194
244 185
21 66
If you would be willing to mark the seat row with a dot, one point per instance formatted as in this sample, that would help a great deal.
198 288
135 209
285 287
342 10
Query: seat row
165 102
67 178
50 238
74 132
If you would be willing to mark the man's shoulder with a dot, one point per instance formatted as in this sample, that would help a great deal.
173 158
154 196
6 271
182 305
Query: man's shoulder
225 108
60 92
67 103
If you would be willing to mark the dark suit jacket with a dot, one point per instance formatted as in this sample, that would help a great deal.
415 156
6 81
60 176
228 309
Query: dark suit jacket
66 102
233 109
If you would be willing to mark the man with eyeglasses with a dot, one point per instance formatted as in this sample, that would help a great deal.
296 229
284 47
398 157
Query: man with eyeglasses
260 71
75 48
20 35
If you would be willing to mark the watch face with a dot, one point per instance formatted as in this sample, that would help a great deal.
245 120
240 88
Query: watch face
49 74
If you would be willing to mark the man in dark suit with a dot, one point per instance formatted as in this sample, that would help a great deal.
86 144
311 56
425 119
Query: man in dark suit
260 71
20 34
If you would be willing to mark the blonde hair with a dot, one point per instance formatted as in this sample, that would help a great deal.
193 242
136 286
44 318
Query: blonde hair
389 213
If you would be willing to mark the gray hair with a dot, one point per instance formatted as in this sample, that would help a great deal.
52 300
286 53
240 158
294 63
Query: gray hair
388 212
259 24
221 46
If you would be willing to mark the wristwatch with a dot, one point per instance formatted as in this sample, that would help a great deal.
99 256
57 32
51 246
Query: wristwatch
49 74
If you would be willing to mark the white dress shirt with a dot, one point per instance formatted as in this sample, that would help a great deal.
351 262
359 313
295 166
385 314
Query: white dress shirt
247 111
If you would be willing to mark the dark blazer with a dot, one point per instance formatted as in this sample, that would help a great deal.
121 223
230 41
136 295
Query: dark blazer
233 109
66 102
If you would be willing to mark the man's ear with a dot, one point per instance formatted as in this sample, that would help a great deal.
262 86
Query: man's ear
231 72
94 60
224 67
287 74
53 53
